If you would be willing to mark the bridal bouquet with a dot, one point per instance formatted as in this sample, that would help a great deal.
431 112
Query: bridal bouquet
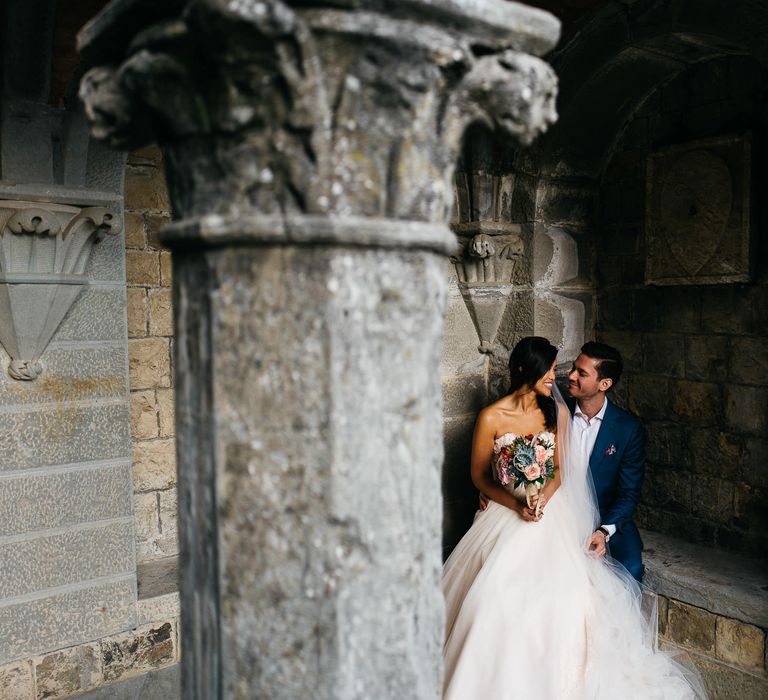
525 460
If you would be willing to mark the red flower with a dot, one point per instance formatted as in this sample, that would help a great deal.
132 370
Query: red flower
529 437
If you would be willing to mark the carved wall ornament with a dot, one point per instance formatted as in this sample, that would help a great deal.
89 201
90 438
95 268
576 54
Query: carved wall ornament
486 261
44 251
698 212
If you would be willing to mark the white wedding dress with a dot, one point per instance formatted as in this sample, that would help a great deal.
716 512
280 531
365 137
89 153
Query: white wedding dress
531 615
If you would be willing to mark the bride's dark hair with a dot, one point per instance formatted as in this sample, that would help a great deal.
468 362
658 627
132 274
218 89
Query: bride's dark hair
530 360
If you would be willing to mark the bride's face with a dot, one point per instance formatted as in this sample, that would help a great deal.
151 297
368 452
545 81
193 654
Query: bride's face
544 385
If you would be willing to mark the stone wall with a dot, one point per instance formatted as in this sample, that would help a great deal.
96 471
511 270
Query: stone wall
697 356
73 670
150 332
729 653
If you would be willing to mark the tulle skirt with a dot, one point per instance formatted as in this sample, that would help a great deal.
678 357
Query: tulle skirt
531 615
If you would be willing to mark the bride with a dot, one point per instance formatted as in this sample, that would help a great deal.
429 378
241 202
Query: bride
530 612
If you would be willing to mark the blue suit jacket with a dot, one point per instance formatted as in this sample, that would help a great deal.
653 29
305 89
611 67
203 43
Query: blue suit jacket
617 465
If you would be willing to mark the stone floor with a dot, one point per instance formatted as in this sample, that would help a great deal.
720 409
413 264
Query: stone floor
164 684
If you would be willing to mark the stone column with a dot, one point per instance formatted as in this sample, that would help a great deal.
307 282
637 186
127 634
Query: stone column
310 153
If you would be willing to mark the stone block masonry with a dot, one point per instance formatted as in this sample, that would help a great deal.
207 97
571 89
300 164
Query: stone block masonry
150 331
74 670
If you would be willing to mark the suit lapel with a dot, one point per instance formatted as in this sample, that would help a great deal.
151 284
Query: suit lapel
605 438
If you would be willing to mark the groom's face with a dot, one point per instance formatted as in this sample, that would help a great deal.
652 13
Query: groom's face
583 382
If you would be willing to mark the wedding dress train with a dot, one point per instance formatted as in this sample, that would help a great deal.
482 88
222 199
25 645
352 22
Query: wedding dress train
530 614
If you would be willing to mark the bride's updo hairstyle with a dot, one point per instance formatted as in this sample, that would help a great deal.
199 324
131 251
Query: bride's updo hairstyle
530 360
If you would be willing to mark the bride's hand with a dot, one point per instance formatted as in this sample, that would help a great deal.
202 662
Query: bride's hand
529 514
541 499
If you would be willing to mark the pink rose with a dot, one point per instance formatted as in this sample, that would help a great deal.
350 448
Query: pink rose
541 454
533 472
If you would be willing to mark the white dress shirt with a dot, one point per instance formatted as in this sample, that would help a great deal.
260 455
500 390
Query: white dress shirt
585 432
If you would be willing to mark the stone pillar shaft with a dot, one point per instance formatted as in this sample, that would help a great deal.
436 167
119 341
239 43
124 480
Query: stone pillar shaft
310 452
310 155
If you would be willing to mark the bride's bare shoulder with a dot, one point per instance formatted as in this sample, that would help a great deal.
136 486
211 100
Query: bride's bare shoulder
494 411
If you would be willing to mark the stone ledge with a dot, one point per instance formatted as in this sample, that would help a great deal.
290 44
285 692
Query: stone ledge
726 584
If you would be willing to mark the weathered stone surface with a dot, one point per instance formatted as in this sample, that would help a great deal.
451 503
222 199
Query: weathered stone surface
740 644
460 340
158 579
144 415
142 267
154 465
160 312
710 450
64 434
727 584
149 363
144 649
76 555
16 681
154 223
145 188
97 314
463 395
147 517
649 397
106 263
705 357
63 619
162 684
138 316
65 673
746 409
749 509
30 503
696 402
383 295
165 606
70 374
150 155
663 612
664 354
166 413
723 682
713 499
166 271
748 361
692 627
134 230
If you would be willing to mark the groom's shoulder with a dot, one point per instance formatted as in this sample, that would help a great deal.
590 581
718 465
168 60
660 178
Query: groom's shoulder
624 417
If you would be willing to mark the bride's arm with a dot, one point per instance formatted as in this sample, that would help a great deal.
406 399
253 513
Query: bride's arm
482 452
554 483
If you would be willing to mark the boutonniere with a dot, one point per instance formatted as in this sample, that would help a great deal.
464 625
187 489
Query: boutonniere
610 451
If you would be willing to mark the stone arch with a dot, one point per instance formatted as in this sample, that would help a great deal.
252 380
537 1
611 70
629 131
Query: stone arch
615 60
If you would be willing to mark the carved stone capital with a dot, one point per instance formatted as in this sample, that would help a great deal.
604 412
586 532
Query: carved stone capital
294 108
44 250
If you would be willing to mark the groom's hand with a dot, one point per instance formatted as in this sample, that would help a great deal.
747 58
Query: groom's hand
597 544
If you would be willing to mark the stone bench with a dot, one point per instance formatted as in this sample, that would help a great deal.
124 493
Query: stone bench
714 605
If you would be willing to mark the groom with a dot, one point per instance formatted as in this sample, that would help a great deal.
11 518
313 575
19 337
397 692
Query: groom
613 442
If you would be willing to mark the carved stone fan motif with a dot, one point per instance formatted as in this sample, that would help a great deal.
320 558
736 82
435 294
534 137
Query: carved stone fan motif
696 201
44 251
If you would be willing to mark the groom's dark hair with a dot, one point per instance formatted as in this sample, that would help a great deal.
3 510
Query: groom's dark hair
609 363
